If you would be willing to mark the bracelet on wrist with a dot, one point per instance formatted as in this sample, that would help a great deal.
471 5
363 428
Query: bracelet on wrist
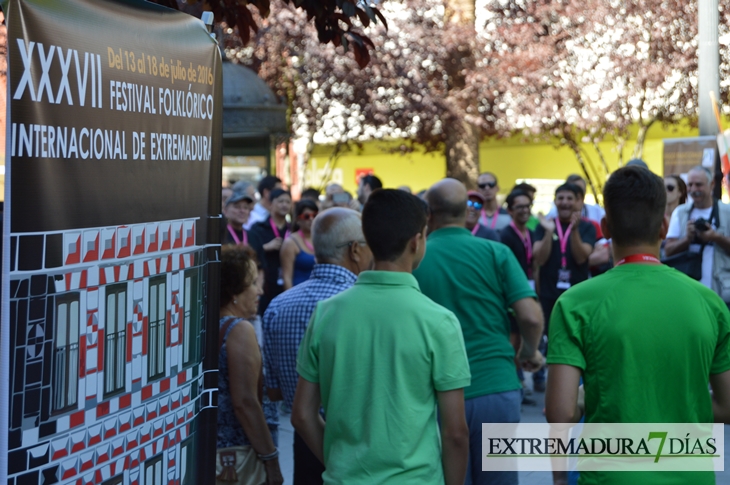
270 456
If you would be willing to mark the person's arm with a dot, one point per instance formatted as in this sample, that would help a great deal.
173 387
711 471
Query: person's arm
306 419
601 254
288 254
541 249
563 403
454 436
244 373
580 250
721 396
676 245
530 321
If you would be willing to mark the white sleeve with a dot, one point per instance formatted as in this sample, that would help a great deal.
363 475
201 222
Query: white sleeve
553 212
674 231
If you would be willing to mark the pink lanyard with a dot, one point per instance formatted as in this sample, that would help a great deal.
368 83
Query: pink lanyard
276 229
563 238
475 229
235 236
527 242
306 243
493 223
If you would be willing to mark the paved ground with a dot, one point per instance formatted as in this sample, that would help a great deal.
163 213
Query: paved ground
530 414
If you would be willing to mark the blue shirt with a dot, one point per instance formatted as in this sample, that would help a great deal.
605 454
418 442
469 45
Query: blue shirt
286 320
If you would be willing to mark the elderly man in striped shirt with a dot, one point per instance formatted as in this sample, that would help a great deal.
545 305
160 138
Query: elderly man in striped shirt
341 253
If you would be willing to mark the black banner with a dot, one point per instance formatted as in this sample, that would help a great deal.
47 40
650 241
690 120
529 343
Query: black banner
113 167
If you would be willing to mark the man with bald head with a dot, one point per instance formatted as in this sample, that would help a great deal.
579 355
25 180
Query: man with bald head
480 280
341 253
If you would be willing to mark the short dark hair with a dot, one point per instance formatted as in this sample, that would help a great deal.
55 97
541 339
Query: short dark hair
277 193
371 180
268 183
390 219
305 204
573 178
525 187
635 200
310 193
576 189
513 195
236 273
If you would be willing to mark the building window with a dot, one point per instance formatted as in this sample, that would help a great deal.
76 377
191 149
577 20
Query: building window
187 462
114 480
115 345
153 471
66 359
191 318
156 339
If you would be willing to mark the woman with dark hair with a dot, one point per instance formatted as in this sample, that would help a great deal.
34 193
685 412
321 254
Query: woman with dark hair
676 193
246 453
297 252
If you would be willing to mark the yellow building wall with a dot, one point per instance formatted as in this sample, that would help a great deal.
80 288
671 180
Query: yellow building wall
509 159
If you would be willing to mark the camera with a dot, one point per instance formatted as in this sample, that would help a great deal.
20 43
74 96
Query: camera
702 225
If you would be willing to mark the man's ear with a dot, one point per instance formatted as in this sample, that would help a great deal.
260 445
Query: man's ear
664 227
604 228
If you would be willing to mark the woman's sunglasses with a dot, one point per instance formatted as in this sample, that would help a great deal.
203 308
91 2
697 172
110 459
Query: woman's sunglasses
491 185
475 205
307 217
670 188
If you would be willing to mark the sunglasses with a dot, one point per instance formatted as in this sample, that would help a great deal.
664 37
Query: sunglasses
307 217
475 205
491 185
670 188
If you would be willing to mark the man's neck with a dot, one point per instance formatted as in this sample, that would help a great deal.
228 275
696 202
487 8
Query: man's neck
520 226
401 265
490 206
266 204
622 252
435 226
235 225
280 221
564 222
705 204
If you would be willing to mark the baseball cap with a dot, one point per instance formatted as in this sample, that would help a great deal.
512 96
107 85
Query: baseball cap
238 196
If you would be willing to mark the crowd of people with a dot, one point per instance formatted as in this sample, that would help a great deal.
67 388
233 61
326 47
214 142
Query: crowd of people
393 325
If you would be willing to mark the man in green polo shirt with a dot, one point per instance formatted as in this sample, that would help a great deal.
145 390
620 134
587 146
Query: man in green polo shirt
379 357
646 339
479 280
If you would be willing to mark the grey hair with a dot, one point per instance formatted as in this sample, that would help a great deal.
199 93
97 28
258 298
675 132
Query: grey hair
330 237
705 170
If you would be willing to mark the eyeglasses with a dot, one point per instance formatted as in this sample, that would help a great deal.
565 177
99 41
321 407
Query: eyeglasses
522 207
491 185
475 205
670 188
307 217
350 243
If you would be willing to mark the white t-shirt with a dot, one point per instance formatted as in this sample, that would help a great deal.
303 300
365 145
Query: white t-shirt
676 232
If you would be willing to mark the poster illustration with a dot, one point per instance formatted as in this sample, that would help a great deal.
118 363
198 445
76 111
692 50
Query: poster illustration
107 371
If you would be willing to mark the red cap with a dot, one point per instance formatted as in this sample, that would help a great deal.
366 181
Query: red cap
474 193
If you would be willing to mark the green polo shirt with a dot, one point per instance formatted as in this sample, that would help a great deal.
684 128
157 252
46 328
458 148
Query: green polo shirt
646 338
380 351
478 280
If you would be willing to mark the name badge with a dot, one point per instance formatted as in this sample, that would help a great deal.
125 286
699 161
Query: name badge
563 279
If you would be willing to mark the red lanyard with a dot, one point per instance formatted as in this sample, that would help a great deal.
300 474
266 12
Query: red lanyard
276 229
526 241
493 223
639 258
563 238
306 243
235 236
